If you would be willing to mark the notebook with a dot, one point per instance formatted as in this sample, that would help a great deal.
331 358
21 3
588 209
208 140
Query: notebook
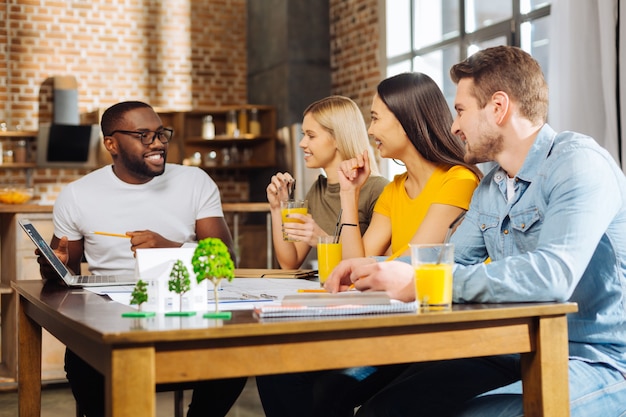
75 281
346 303
281 311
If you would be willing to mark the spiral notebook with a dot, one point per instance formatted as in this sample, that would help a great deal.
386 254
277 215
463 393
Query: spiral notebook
280 311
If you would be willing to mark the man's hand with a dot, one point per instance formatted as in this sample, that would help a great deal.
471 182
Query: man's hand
343 276
61 251
148 239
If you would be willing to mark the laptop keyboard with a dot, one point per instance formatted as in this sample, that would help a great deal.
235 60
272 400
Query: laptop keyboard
97 279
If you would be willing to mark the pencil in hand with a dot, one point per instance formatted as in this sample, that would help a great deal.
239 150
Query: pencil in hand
111 234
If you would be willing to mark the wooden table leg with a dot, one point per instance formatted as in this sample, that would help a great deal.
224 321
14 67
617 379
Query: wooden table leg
545 371
268 241
130 389
29 365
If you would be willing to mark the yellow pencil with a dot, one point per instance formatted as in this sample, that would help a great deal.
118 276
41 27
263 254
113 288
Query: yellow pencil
111 234
397 254
312 290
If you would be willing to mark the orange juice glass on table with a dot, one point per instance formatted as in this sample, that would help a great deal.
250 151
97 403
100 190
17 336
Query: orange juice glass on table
433 265
290 207
328 256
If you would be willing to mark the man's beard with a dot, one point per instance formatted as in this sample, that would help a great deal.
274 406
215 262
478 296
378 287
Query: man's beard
139 167
484 150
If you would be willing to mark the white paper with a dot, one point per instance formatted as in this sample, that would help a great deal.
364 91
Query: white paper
238 294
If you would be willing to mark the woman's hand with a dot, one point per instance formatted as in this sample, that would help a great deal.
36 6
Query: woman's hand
308 231
278 189
353 173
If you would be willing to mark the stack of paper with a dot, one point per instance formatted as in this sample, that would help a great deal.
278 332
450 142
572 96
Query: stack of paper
340 298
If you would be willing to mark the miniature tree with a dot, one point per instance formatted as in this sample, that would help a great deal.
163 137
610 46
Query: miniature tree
179 282
211 260
138 297
139 294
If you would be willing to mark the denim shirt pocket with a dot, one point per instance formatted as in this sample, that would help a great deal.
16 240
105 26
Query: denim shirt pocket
488 224
521 223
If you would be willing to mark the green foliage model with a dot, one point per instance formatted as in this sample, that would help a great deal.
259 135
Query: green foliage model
139 294
211 260
179 281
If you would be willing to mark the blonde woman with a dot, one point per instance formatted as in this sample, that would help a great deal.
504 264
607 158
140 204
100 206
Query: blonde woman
334 131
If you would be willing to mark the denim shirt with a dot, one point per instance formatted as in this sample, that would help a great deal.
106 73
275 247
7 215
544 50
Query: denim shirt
561 237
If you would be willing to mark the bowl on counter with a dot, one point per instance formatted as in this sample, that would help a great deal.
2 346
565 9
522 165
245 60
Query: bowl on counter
16 195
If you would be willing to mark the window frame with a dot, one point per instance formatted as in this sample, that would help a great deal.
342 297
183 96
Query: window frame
510 29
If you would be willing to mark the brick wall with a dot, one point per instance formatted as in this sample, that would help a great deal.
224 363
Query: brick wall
148 50
175 54
355 50
357 65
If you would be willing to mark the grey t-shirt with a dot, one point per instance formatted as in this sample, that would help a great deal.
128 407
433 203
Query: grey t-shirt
324 203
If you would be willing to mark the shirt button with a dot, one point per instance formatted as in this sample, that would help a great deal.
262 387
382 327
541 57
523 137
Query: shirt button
506 232
482 226
523 225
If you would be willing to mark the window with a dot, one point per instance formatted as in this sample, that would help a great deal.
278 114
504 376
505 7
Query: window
430 36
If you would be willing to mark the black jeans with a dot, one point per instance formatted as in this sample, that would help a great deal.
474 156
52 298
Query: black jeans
210 398
325 393
441 388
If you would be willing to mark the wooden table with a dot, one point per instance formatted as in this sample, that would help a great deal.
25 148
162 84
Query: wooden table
136 354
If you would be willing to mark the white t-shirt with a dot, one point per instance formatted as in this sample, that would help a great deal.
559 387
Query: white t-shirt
168 204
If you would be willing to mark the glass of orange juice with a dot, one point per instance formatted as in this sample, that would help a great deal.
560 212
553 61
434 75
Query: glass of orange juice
433 274
328 256
289 207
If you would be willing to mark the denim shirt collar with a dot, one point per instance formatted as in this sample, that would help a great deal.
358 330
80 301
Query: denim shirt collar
532 164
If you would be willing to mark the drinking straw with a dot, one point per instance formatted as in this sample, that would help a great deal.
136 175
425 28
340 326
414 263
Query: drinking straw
291 187
452 226
336 240
336 233
449 233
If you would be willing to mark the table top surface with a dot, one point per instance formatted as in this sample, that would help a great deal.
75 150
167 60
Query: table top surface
99 318
25 208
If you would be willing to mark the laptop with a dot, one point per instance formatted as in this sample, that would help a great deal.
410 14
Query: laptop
74 281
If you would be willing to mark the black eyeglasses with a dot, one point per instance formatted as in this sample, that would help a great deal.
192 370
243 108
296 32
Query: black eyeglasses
148 136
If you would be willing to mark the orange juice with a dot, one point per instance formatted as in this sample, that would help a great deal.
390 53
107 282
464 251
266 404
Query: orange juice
291 210
328 257
433 284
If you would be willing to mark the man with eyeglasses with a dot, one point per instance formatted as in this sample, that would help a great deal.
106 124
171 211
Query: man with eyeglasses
158 205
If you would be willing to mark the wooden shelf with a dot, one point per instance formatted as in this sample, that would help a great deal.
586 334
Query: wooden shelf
18 133
226 139
16 165
260 149
231 167
10 139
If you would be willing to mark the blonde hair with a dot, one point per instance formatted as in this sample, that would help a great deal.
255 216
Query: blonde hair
343 120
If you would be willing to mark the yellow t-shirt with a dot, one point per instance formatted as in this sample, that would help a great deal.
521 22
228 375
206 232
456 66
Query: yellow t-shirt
454 187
